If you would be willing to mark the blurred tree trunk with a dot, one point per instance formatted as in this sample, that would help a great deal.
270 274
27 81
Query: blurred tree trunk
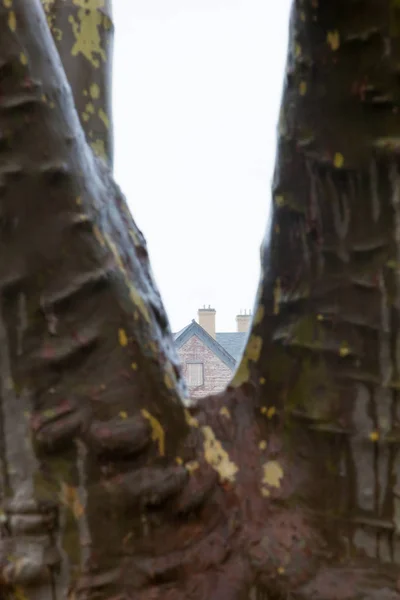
285 485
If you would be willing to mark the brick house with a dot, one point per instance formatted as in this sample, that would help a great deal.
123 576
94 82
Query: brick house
209 358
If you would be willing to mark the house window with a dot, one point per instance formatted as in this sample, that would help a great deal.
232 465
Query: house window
195 374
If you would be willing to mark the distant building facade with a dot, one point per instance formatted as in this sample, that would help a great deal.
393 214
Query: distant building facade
209 358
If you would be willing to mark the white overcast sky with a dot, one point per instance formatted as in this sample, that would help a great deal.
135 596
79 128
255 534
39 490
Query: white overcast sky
197 87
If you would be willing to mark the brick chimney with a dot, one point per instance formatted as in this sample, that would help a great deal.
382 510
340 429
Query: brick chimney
207 319
243 321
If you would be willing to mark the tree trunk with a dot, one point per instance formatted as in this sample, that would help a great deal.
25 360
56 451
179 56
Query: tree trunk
283 486
83 33
86 348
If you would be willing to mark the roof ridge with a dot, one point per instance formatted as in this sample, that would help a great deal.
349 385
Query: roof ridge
195 329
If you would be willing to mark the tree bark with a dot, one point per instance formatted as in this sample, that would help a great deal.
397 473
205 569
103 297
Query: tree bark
84 334
283 486
83 32
327 341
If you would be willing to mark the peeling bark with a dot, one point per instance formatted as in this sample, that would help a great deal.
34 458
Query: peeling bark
83 32
285 485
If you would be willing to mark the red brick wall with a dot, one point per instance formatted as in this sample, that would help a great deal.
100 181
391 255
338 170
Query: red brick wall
216 374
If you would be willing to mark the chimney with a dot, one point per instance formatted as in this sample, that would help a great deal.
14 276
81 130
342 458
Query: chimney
207 319
243 321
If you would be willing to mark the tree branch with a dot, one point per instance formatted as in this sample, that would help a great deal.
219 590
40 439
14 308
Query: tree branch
83 33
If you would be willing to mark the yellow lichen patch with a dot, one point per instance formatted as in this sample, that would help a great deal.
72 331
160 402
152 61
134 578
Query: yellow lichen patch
87 31
268 412
134 366
47 5
103 117
89 110
107 23
139 302
191 421
12 20
153 347
297 51
122 337
253 348
168 381
259 315
134 237
99 148
338 160
265 492
81 218
374 436
277 296
344 349
225 412
133 293
262 445
123 414
272 475
78 200
320 317
99 235
69 497
262 380
281 570
157 431
7 3
57 33
192 466
94 91
116 255
303 88
279 200
251 353
302 15
333 39
23 58
217 457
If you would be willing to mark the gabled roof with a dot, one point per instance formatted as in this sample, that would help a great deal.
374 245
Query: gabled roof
176 335
233 342
195 329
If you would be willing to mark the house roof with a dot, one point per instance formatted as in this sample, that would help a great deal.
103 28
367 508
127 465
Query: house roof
233 342
230 343
176 335
214 345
